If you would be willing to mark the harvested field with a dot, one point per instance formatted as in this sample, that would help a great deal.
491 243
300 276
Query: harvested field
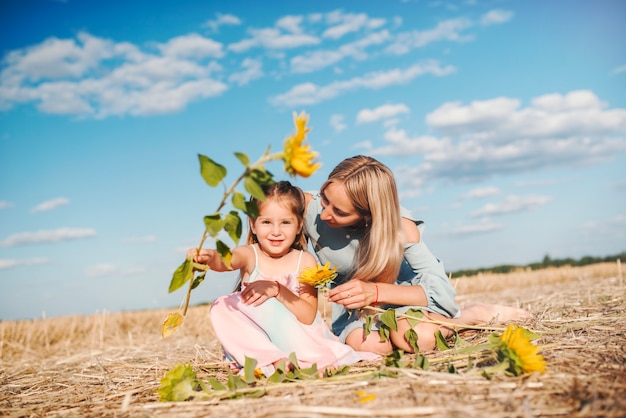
111 364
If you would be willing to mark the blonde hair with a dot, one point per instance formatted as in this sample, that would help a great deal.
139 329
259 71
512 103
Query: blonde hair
371 187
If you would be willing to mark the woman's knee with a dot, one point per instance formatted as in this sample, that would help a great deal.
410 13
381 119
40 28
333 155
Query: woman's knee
426 339
370 343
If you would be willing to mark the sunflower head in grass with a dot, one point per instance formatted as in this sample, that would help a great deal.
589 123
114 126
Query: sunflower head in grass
514 346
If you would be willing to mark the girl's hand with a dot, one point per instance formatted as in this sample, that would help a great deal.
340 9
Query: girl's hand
354 294
259 291
203 257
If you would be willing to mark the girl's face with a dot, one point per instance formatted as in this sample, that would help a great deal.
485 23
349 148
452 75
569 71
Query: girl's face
338 212
276 228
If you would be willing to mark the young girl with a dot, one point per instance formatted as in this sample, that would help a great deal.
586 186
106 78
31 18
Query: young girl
355 222
274 315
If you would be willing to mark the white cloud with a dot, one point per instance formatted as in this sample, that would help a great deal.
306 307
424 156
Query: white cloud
481 227
619 70
96 77
381 112
449 30
273 38
496 16
101 270
400 144
252 69
61 234
512 204
50 204
344 23
221 20
192 46
480 193
9 263
140 240
499 136
337 122
290 23
310 93
5 204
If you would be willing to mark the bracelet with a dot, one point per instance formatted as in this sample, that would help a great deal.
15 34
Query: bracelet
278 291
376 301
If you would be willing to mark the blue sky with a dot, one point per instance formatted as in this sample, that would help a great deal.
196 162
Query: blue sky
504 121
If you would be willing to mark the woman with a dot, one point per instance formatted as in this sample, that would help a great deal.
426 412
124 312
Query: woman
355 222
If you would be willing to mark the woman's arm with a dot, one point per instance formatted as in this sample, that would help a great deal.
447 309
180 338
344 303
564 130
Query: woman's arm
356 294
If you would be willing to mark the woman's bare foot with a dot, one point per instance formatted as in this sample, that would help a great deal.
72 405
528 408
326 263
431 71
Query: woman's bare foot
477 313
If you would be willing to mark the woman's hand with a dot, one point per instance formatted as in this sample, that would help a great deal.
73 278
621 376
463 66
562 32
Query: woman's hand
257 292
354 294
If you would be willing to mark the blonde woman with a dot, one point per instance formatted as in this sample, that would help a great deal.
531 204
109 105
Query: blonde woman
356 223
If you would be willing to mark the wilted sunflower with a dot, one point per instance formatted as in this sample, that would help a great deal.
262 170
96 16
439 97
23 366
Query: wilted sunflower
299 159
515 347
318 276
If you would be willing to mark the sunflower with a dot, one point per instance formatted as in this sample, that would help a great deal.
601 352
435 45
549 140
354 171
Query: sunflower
318 276
299 159
514 346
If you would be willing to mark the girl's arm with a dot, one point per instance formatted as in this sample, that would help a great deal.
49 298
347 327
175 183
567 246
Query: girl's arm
304 307
212 258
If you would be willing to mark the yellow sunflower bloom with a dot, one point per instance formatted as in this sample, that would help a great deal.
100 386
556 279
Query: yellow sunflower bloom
318 276
299 159
516 348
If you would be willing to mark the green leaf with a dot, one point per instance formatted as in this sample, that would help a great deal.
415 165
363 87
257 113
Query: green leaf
442 344
383 332
235 382
211 172
389 318
421 362
262 176
199 279
248 370
411 337
214 224
254 188
180 384
243 158
239 201
182 274
369 319
252 209
216 384
232 225
171 324
224 252
413 316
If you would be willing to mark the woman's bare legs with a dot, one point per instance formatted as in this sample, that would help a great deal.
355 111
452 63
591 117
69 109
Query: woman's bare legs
472 314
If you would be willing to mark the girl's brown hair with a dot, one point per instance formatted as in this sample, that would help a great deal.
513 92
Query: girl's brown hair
289 196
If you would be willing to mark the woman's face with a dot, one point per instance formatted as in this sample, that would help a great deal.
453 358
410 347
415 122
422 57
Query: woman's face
338 210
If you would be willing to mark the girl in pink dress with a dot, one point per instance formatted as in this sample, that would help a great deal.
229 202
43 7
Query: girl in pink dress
274 314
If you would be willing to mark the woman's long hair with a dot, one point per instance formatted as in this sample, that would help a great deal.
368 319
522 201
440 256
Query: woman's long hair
371 187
